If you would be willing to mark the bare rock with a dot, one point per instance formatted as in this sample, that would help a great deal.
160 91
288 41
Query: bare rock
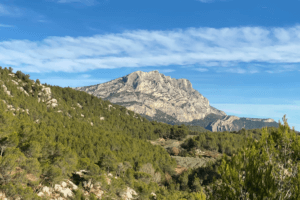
128 194
14 82
22 90
2 196
65 191
52 103
4 88
224 124
46 90
145 93
47 190
73 186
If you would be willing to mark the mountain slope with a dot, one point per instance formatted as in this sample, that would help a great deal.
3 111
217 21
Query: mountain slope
47 133
173 101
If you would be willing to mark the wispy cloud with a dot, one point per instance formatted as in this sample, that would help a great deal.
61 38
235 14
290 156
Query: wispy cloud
166 70
87 2
9 10
86 75
6 26
224 49
202 69
206 1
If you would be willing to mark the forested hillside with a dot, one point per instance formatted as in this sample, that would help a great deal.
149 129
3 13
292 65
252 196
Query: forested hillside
47 133
51 137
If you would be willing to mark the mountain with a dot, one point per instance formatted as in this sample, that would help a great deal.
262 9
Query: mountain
217 123
174 101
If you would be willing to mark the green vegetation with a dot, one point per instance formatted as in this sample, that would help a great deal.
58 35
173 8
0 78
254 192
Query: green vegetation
194 130
82 132
42 144
263 169
222 142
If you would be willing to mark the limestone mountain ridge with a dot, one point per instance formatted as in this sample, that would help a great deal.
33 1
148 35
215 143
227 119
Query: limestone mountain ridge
165 99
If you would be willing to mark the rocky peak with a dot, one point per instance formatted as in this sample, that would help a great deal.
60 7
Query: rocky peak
139 81
148 93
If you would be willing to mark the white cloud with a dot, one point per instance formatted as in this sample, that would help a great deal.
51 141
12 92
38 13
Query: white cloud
6 26
87 2
224 48
9 10
206 1
209 1
86 75
165 70
202 69
275 112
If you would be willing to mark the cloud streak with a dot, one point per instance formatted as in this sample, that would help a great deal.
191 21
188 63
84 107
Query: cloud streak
223 49
6 26
87 2
206 1
9 10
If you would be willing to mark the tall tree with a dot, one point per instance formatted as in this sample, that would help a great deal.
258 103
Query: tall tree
264 169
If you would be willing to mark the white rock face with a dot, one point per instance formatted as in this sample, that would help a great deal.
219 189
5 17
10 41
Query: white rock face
145 93
15 82
47 190
22 90
128 194
2 196
224 124
74 187
5 89
63 189
47 90
80 106
52 103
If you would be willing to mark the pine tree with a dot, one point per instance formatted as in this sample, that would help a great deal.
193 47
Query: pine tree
264 169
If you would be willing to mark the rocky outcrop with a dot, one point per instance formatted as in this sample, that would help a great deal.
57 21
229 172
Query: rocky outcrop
232 123
173 101
224 124
148 93
128 194
5 89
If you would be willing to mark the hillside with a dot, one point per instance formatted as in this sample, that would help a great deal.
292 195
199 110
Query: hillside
59 143
48 133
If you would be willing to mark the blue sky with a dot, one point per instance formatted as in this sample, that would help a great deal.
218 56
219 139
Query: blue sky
244 56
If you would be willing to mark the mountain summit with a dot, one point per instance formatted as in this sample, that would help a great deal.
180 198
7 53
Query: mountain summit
174 101
155 95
